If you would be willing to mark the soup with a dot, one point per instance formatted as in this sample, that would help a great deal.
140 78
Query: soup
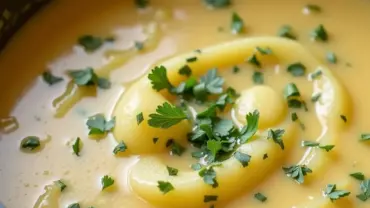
187 104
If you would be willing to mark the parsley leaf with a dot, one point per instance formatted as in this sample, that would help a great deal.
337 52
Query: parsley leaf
177 149
50 79
286 31
365 188
155 140
297 69
76 146
87 77
209 176
312 8
158 78
291 90
243 158
90 43
254 61
209 198
167 115
309 144
265 156
316 74
334 194
297 172
218 3
139 45
139 118
251 128
365 137
264 51
165 186
258 77
214 146
98 125
260 197
106 182
344 118
191 59
276 136
319 33
236 69
331 57
30 143
315 97
327 147
121 147
172 171
196 166
185 70
237 24
61 185
213 83
141 3
74 205
358 175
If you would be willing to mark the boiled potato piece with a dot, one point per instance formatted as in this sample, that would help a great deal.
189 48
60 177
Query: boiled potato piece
232 178
141 98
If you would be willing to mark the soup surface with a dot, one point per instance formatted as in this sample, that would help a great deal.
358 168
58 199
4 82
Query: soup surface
187 104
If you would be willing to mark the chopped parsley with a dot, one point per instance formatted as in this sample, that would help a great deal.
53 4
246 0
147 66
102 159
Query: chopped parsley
177 149
344 118
90 43
258 77
243 158
209 198
61 185
316 74
76 147
139 118
286 31
319 33
277 136
142 3
167 115
297 69
327 147
214 146
185 70
30 143
333 194
297 172
316 144
236 69
265 156
209 176
254 61
139 45
292 95
264 51
358 175
121 147
172 171
365 137
237 23
315 97
260 197
87 77
165 186
365 188
251 128
312 8
294 116
50 79
158 78
98 125
74 205
331 57
106 182
218 3
155 140
191 59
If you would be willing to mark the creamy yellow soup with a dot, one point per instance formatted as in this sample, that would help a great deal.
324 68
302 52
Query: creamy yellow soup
303 150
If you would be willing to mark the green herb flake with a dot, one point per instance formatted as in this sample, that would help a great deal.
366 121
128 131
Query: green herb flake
172 171
139 45
214 146
333 194
218 3
167 115
327 147
358 175
365 188
315 97
277 136
50 79
291 91
165 186
185 70
237 24
257 77
331 57
76 146
365 137
297 172
210 198
309 144
196 166
260 197
121 147
177 149
265 156
251 128
158 78
319 33
236 69
98 125
30 143
344 118
264 51
209 176
297 69
74 205
87 77
61 185
316 74
286 31
90 43
294 116
155 140
139 118
243 158
312 8
106 182
254 61
141 4
191 59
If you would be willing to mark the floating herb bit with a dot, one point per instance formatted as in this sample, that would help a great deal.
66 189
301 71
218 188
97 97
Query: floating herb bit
50 79
297 172
76 147
333 194
316 74
243 158
365 188
312 8
158 78
165 186
106 182
309 144
286 31
142 3
258 77
358 175
172 171
291 90
139 45
331 57
121 147
185 70
90 43
74 205
319 33
315 97
365 137
327 147
297 69
236 69
254 61
344 118
61 185
218 3
98 125
277 136
265 156
139 118
196 166
237 24
191 59
30 143
214 146
209 198
177 149
87 77
251 128
155 140
166 116
209 176
264 51
260 197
